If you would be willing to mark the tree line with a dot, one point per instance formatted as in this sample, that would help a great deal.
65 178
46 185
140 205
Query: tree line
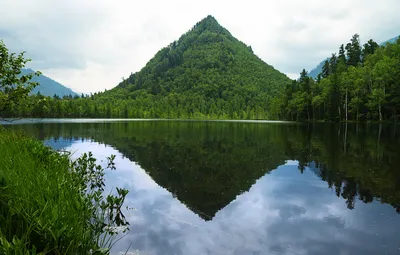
172 106
359 83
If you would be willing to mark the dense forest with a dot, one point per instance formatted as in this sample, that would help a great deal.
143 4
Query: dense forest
209 74
317 70
358 83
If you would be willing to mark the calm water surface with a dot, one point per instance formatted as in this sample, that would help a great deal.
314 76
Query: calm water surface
247 188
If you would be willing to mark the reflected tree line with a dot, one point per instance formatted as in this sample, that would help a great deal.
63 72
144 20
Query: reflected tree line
207 164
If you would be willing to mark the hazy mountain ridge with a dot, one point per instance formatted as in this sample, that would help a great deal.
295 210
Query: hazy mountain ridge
48 86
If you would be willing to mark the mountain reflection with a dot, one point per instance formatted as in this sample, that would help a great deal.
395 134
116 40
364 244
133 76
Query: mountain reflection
206 165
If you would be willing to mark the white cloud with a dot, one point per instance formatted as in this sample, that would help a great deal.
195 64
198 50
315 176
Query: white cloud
91 45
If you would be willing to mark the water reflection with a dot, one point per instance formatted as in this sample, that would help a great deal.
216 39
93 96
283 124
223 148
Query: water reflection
234 188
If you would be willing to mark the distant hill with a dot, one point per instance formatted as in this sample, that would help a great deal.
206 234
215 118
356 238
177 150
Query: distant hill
206 66
48 87
393 40
317 70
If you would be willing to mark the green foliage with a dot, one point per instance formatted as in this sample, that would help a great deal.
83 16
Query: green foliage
14 87
359 84
52 205
368 48
353 50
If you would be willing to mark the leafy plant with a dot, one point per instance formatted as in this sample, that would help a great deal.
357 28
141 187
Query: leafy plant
50 204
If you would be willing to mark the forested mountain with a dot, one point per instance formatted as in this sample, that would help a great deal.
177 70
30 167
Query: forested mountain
206 72
47 86
358 83
317 70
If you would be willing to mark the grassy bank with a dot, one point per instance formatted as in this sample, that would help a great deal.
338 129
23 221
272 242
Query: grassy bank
51 205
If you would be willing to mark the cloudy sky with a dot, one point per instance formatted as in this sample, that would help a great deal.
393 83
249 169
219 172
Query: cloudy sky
90 45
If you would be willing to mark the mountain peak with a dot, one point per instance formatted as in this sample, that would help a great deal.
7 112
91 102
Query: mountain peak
209 20
210 24
206 64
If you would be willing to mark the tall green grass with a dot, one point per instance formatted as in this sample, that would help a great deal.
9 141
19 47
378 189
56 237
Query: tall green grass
51 205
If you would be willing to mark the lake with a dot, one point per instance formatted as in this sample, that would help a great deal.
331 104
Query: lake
245 187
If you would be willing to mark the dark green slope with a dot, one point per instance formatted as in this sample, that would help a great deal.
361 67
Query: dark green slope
47 86
205 63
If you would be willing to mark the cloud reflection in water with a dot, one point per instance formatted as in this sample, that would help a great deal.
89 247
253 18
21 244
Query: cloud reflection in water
284 212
